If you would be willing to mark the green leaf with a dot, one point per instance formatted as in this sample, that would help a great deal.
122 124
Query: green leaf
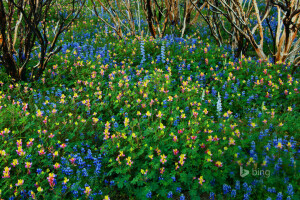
135 180
194 194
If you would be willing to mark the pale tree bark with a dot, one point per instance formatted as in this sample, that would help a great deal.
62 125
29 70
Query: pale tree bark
122 10
238 14
159 14
163 13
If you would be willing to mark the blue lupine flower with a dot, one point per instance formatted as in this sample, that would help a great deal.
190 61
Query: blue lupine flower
84 172
116 125
75 193
173 178
143 52
219 105
23 193
245 185
170 195
290 190
226 95
246 196
278 165
249 190
112 183
106 29
211 196
67 171
149 195
38 171
80 162
286 180
64 188
226 189
233 193
279 196
237 185
213 91
163 53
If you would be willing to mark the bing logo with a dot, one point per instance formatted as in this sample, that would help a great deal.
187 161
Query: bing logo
255 172
243 172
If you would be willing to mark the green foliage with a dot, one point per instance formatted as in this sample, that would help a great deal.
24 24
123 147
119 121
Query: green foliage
134 129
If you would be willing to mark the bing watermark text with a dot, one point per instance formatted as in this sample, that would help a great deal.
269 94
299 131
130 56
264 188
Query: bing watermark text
255 172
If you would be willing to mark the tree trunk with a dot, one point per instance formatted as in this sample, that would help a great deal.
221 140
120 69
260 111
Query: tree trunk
150 18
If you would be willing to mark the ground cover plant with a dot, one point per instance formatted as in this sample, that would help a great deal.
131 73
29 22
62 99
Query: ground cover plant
169 117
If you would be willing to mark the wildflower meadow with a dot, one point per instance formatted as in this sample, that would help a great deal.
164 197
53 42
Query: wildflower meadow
122 113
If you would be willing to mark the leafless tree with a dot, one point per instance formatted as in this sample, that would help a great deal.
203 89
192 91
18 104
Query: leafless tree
213 20
169 12
24 27
159 14
238 13
287 31
118 10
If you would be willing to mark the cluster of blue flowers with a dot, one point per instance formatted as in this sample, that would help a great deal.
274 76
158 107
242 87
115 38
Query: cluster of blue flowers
163 48
143 52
